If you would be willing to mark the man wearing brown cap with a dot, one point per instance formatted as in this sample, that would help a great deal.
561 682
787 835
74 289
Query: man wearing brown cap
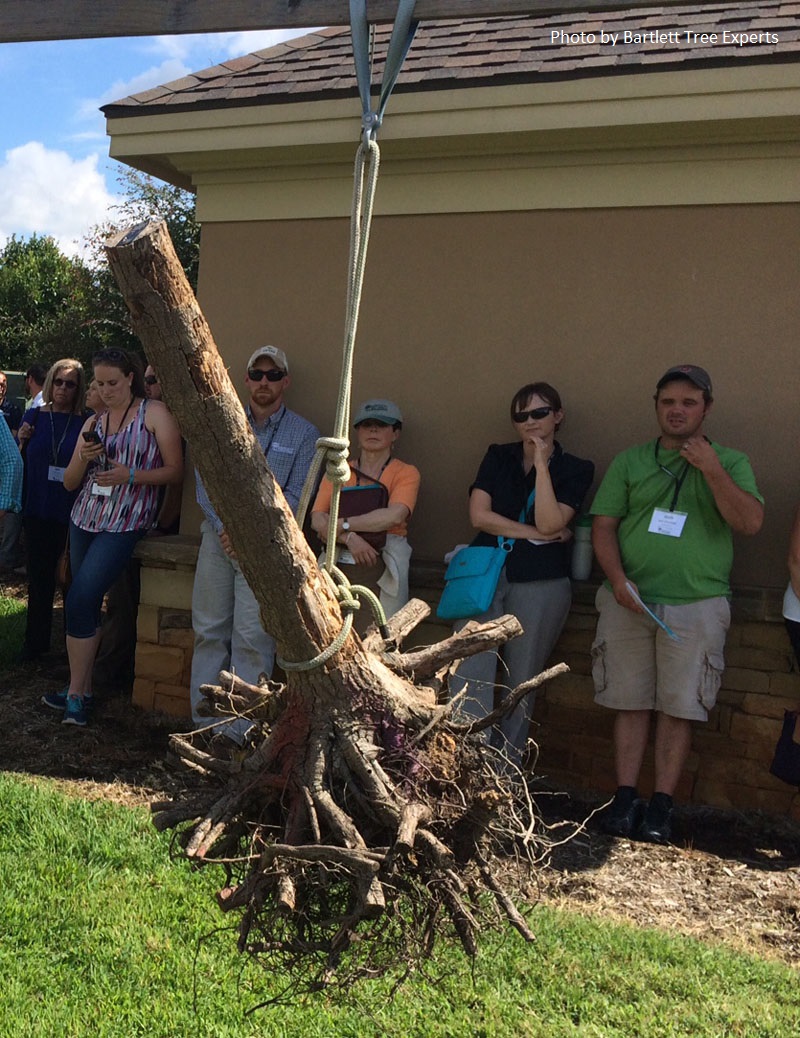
664 517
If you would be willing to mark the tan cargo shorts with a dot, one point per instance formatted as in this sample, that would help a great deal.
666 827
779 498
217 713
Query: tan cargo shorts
637 666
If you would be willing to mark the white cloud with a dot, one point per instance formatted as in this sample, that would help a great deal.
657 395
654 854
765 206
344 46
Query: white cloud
204 49
154 76
47 192
238 43
182 55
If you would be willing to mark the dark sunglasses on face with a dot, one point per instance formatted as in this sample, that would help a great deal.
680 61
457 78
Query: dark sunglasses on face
66 382
536 413
273 375
150 380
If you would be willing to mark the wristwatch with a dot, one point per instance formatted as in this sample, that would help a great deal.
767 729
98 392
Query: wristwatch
345 525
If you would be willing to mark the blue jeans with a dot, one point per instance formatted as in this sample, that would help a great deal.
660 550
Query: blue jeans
96 560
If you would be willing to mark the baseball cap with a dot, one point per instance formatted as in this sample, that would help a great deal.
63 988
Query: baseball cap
274 354
378 411
698 376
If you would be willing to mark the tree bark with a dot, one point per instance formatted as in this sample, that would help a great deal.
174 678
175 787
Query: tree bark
356 781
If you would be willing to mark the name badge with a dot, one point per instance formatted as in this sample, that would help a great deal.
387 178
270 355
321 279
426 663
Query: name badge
55 473
99 491
280 449
669 524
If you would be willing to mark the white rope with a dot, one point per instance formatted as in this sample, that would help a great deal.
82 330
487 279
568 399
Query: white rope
334 450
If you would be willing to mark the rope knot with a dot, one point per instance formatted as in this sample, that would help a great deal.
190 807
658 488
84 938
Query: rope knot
336 450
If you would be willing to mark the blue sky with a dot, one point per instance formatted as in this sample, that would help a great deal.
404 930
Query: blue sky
55 174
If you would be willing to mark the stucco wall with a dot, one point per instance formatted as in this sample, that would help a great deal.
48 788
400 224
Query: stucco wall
460 310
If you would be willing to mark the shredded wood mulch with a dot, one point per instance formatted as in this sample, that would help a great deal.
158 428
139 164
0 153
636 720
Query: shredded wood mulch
731 878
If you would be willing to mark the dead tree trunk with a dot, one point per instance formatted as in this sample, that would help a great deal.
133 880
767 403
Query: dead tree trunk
358 789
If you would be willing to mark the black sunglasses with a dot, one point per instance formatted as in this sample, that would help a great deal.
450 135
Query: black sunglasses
150 380
536 414
273 375
67 382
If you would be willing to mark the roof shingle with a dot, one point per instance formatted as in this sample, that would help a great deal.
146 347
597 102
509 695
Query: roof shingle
495 51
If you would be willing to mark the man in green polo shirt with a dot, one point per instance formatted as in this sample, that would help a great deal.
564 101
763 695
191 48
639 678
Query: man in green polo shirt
664 519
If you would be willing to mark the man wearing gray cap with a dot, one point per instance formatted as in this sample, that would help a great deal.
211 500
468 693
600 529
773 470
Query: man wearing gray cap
664 517
227 627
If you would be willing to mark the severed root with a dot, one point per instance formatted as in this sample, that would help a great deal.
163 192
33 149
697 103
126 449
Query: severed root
510 702
399 626
237 698
469 641
506 904
410 818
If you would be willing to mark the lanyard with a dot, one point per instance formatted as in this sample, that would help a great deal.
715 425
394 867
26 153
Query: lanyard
677 479
109 435
272 427
56 450
358 472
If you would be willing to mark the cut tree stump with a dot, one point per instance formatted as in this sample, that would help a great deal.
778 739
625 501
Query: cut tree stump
362 811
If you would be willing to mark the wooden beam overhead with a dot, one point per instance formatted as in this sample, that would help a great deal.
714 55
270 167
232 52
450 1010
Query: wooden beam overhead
25 20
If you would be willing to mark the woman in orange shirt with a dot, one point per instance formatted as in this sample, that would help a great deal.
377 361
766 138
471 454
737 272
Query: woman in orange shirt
372 544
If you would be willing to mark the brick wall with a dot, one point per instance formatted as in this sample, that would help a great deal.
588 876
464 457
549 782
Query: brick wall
731 754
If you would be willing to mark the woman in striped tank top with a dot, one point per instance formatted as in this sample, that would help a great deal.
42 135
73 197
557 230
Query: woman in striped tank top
122 457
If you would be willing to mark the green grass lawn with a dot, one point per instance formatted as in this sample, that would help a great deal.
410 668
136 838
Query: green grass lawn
12 628
102 935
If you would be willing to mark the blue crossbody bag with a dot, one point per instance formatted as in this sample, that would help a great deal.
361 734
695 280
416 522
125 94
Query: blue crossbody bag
470 579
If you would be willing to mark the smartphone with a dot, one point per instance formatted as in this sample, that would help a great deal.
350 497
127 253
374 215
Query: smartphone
92 436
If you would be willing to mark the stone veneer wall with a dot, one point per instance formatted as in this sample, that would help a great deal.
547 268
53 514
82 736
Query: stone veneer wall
729 763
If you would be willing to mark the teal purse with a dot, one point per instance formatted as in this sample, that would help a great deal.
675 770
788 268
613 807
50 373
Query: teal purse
471 578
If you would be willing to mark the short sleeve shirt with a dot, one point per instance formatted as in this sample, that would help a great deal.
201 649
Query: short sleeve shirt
672 570
399 478
501 475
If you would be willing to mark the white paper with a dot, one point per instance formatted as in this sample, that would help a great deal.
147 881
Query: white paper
635 596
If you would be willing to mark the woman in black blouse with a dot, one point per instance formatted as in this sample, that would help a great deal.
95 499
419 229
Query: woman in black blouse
534 584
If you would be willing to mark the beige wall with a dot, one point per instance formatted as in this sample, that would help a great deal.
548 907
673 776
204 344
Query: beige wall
460 310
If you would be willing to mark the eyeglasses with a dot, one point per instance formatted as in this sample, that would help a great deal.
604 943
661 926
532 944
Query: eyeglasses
150 380
111 354
66 382
536 413
273 375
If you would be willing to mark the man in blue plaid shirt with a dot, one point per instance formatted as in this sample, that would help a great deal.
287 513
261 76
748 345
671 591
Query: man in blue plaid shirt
10 472
227 628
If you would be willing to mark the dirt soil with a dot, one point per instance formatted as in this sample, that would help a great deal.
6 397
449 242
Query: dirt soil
730 877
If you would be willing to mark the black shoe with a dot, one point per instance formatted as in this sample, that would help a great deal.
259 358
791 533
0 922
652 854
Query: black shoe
624 816
656 826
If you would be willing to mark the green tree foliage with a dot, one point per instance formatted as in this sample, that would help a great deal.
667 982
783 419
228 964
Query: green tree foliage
52 305
46 304
144 198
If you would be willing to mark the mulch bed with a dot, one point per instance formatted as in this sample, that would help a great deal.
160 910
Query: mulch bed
732 878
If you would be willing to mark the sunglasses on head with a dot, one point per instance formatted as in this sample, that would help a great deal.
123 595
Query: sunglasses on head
150 380
536 413
273 375
66 382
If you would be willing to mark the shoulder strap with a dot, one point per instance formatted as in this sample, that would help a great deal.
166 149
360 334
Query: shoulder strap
507 543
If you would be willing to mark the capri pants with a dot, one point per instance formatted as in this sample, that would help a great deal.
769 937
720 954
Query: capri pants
96 560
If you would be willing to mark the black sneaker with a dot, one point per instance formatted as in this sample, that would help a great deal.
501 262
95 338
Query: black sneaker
624 816
656 825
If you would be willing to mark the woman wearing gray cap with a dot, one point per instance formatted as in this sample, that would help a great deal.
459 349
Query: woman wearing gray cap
374 508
